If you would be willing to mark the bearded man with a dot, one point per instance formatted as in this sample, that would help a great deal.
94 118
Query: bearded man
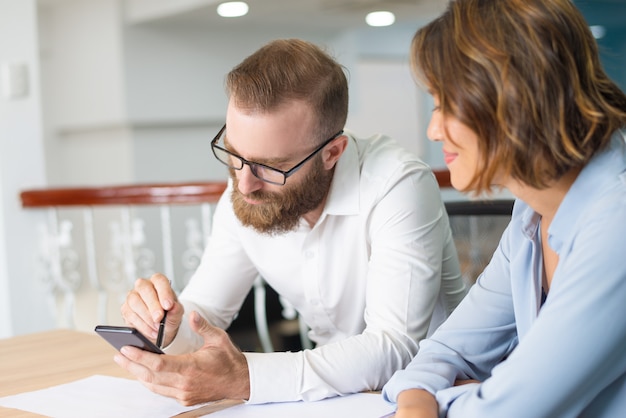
351 232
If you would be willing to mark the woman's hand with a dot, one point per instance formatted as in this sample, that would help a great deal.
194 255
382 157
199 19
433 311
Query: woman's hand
417 403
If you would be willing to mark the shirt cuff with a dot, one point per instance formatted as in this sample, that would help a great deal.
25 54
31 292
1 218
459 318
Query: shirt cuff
446 397
274 377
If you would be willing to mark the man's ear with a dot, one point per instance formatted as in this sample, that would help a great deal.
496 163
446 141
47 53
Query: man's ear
333 151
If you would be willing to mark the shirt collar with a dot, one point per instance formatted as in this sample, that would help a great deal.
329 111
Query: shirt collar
343 196
587 189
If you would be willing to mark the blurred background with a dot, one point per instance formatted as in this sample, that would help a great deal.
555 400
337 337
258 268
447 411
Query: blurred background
102 92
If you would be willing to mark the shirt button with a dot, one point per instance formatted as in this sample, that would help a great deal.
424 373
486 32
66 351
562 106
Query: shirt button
309 254
315 302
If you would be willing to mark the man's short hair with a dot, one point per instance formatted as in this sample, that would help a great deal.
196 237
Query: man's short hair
292 69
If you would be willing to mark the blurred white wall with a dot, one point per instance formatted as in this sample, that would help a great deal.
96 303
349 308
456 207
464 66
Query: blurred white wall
139 102
84 97
22 302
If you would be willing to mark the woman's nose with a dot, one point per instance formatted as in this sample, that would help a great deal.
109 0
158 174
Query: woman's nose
434 130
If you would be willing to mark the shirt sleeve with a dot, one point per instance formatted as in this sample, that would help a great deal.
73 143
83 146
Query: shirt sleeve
403 286
339 368
475 337
571 354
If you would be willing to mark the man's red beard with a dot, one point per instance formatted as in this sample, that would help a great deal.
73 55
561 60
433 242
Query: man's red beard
280 212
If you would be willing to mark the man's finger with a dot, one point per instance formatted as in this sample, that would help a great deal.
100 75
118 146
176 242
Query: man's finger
164 290
209 333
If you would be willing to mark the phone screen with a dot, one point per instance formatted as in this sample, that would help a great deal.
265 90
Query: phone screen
118 337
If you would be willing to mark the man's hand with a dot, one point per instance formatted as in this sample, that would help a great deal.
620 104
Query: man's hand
146 304
216 371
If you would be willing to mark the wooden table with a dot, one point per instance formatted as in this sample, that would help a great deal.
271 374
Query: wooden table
37 361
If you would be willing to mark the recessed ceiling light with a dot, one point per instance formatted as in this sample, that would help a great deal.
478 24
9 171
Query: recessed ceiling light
232 9
598 31
381 18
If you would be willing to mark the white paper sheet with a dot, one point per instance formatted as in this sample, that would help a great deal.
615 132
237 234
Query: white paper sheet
363 405
106 397
96 397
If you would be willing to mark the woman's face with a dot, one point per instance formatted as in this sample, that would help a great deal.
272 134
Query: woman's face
461 156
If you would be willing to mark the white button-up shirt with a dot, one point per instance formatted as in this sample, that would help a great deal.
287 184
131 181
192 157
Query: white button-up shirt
370 278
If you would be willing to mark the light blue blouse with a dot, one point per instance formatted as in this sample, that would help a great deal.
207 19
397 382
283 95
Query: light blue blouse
565 359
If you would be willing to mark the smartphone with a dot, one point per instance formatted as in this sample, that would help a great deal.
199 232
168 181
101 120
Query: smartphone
118 337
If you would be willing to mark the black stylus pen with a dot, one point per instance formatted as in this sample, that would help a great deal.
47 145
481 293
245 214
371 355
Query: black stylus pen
159 340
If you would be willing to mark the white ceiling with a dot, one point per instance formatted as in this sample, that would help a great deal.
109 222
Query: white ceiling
317 14
303 14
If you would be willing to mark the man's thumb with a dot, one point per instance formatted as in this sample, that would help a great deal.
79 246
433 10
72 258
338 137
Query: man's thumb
201 326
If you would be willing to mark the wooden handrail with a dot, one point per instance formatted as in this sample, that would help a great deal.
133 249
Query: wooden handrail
139 194
443 178
143 194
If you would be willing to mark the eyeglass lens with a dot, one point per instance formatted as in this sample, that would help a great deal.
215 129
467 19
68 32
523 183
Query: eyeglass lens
264 173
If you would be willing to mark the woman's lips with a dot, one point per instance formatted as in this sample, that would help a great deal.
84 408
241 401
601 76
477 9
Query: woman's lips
449 157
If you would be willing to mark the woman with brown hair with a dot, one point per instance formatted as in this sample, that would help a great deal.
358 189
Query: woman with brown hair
522 103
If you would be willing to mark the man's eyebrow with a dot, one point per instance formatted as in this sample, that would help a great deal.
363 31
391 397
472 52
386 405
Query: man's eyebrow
266 161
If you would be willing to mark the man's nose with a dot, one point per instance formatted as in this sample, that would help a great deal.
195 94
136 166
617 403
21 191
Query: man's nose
247 182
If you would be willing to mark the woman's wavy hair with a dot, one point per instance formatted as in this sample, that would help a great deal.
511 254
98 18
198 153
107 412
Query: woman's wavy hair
526 77
292 69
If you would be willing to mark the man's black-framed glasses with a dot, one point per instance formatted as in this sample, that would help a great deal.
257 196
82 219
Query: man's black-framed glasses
261 171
